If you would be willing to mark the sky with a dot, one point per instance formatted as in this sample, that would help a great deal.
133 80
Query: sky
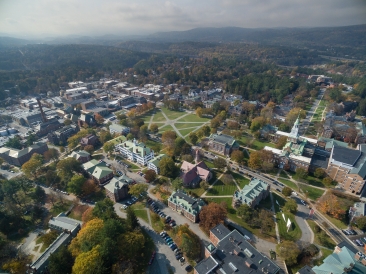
41 18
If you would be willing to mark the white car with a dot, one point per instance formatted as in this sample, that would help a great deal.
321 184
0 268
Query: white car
294 193
303 202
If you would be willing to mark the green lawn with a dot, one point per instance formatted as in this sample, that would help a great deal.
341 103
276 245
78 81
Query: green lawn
172 114
197 191
241 181
325 253
142 213
327 242
294 233
209 164
147 116
311 192
220 189
185 132
284 175
289 183
187 125
166 128
279 199
152 144
158 117
193 118
254 143
338 223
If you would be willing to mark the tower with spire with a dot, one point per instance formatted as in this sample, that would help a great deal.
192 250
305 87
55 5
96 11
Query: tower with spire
294 134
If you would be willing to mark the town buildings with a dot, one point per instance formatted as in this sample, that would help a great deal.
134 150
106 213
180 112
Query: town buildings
82 156
222 144
117 188
61 135
193 174
89 140
153 164
119 129
186 205
230 252
18 157
251 194
99 171
136 152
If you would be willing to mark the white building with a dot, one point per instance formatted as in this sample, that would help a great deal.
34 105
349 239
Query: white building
154 163
136 152
116 128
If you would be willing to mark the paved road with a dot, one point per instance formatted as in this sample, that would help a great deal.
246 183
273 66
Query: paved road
300 217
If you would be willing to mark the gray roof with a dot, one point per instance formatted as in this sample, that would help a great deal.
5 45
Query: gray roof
346 155
206 265
118 182
64 222
220 231
222 139
360 166
305 270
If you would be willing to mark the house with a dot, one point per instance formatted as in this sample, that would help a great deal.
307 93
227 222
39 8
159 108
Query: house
136 152
61 135
48 126
193 174
89 140
357 210
153 164
82 156
186 205
251 194
117 188
99 171
222 143
69 228
86 119
18 157
230 252
116 128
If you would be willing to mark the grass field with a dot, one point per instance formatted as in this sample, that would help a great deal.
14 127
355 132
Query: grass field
284 175
197 191
289 183
142 213
336 222
158 117
294 233
220 189
311 192
172 114
327 242
185 132
254 143
209 164
187 125
165 128
241 181
193 118
147 116
325 253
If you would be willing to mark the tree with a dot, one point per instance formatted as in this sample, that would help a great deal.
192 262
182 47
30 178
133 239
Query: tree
237 156
255 161
227 179
89 187
67 167
89 262
108 147
281 142
131 219
215 123
286 191
177 183
327 181
14 143
193 137
301 173
293 114
137 189
62 149
154 128
61 262
257 123
361 222
99 118
89 149
34 164
245 212
130 136
87 215
319 173
150 175
168 168
168 139
199 112
212 215
330 204
51 154
204 185
289 251
104 210
290 206
105 136
219 163
39 194
75 185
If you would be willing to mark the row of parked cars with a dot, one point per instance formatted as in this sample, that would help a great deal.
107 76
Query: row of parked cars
59 190
349 232
123 164
154 207
360 241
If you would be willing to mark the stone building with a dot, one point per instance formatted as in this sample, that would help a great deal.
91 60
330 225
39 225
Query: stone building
186 205
18 157
251 194
222 144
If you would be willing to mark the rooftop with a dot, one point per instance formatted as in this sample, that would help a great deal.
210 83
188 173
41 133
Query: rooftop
346 155
118 182
251 191
187 202
222 139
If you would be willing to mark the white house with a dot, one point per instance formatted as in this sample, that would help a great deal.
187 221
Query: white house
136 152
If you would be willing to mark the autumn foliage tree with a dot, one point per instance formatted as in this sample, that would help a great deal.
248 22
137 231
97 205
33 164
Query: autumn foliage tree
31 167
99 118
212 215
237 156
330 204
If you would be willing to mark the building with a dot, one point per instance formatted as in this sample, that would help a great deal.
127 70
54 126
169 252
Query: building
116 128
61 135
86 119
153 164
186 205
358 210
136 152
193 174
82 156
69 228
117 188
348 167
222 144
251 194
89 140
230 252
99 171
18 157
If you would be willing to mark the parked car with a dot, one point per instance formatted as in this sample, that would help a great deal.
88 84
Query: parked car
182 260
178 256
152 258
188 268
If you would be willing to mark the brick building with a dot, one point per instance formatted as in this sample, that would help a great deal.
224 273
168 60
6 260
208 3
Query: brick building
18 157
251 194
222 144
186 205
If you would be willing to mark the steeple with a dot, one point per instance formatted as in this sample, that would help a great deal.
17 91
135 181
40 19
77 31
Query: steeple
294 134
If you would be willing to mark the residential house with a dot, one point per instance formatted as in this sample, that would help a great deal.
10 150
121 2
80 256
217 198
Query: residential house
61 135
153 164
86 119
193 174
117 188
186 205
88 140
99 171
136 152
82 156
251 194
230 252
18 157
116 128
222 143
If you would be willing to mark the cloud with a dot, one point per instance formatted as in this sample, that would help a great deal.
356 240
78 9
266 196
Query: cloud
95 17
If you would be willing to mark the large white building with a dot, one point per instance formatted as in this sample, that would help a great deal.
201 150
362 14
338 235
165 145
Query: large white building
136 152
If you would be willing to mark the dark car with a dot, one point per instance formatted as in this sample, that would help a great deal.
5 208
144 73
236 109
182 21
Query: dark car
178 256
152 258
188 268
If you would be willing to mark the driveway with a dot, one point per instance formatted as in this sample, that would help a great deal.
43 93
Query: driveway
300 217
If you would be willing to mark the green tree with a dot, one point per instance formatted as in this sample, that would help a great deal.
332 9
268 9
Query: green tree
154 128
131 219
289 251
219 163
215 123
104 210
327 181
193 137
168 168
51 154
39 194
290 206
75 185
189 246
61 262
361 222
137 189
105 136
281 142
67 167
108 147
245 212
150 175
257 123
301 173
237 156
31 167
14 143
177 183
319 173
130 136
204 185
89 149
286 191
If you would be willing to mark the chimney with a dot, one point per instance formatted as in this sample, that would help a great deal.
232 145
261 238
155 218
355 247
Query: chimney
44 118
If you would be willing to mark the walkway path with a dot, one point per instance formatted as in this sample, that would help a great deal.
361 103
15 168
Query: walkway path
275 219
204 194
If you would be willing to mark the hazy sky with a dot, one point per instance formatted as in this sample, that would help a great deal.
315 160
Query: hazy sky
98 17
